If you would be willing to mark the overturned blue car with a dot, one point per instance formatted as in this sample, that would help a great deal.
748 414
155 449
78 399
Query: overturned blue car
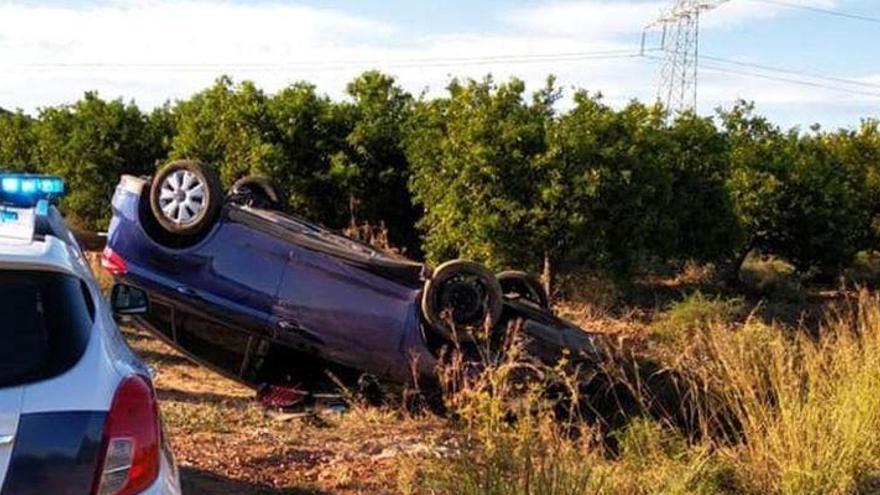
270 299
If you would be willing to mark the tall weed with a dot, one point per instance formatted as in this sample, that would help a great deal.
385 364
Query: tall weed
779 412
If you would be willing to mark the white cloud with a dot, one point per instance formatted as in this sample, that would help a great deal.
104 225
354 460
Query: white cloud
600 19
587 19
166 31
154 50
735 13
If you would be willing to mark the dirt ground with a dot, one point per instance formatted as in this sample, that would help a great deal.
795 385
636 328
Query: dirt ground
227 443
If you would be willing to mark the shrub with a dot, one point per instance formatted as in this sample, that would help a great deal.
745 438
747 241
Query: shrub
474 158
865 269
811 199
695 313
90 144
771 277
17 141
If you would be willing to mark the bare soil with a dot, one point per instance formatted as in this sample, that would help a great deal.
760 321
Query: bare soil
227 443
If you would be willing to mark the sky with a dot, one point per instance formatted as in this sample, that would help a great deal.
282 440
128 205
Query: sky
824 67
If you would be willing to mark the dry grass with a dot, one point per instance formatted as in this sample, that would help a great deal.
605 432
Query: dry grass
779 413
807 407
772 278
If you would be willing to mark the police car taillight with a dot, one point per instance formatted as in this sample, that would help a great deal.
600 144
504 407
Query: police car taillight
112 262
130 456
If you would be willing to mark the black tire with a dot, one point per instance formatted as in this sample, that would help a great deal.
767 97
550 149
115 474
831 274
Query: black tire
197 203
461 295
525 286
256 191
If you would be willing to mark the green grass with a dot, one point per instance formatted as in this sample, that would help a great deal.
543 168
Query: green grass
678 324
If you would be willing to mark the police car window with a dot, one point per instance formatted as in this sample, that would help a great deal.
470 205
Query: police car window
87 297
46 323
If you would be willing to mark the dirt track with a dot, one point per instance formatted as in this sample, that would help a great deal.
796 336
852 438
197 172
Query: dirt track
226 443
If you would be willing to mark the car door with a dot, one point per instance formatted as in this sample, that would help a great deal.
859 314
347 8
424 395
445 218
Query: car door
10 408
345 314
226 288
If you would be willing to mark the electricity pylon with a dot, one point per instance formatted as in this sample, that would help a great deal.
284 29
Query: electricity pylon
680 44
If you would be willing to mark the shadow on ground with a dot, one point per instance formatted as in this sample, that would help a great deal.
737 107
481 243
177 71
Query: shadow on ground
196 481
169 394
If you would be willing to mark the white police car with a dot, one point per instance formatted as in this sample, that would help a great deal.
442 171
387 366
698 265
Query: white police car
78 413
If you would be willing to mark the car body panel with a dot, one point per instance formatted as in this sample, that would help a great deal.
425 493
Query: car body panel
376 315
55 452
10 411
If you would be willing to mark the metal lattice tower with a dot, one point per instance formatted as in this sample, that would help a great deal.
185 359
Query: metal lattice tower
681 47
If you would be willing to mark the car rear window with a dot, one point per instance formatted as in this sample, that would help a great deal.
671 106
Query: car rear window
45 323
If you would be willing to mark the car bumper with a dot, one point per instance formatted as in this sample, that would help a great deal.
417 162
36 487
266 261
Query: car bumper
168 482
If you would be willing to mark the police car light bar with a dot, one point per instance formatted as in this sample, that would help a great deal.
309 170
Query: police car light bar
26 190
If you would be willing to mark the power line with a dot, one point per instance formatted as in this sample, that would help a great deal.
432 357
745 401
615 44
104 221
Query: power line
344 64
790 80
792 72
801 82
819 10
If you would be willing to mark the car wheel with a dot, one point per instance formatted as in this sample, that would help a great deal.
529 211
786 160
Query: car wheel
461 295
525 286
185 197
256 191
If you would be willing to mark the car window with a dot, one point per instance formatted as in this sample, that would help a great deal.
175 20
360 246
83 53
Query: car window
46 322
302 226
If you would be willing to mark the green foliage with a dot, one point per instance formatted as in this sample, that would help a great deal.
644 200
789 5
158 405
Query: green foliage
309 128
338 162
643 187
372 167
492 173
811 199
91 143
475 161
230 127
511 183
693 314
16 141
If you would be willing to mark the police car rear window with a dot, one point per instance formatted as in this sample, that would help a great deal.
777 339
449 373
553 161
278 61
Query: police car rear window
45 323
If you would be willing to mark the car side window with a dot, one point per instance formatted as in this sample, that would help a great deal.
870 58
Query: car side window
47 318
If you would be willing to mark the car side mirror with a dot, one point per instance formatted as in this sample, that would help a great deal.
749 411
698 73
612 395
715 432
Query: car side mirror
128 300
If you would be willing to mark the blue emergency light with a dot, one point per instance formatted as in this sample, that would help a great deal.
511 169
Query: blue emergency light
26 190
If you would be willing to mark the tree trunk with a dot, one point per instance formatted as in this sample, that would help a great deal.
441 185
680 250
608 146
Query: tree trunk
352 208
547 275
